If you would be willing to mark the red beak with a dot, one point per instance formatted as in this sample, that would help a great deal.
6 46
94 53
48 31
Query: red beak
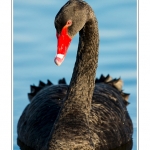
63 42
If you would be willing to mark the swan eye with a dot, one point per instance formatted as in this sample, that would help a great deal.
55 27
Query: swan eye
69 23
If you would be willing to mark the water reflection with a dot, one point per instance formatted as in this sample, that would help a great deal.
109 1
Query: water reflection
127 146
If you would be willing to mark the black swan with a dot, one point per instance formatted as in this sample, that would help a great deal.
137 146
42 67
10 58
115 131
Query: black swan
87 114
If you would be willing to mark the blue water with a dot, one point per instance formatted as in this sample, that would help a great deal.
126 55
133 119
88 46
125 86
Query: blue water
35 47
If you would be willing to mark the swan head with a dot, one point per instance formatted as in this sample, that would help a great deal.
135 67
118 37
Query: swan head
68 22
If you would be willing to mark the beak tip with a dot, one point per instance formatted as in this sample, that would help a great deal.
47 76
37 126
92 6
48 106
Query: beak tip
58 61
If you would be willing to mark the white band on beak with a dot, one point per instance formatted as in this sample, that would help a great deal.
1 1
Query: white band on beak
61 56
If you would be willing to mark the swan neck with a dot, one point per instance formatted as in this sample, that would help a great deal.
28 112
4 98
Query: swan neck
83 79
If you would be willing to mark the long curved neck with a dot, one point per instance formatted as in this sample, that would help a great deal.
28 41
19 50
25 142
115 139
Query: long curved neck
83 78
72 125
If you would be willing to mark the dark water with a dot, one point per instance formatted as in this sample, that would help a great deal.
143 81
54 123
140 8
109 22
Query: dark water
35 47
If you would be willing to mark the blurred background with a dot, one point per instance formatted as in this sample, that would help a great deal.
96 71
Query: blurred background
34 49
